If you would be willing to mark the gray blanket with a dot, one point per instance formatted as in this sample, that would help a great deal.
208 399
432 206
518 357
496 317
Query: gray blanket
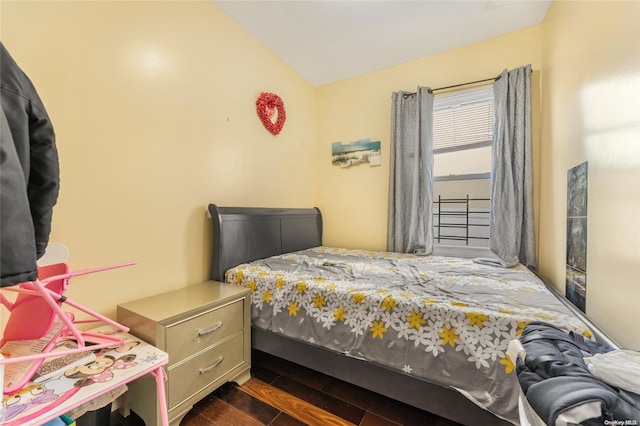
446 320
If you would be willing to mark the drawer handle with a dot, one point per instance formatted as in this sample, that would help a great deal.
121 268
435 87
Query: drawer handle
200 333
211 367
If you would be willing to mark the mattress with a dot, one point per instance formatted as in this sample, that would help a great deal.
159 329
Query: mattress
445 320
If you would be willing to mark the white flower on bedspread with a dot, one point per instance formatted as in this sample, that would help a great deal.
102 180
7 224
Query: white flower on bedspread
429 338
495 348
434 347
496 325
468 340
514 331
419 337
484 334
327 320
479 356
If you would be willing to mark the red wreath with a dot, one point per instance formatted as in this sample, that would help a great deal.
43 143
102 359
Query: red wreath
266 104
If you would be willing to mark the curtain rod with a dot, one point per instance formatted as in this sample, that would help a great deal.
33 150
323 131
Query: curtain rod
456 85
465 84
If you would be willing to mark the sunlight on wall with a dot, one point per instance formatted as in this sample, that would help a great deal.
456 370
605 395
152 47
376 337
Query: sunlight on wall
151 61
611 111
592 114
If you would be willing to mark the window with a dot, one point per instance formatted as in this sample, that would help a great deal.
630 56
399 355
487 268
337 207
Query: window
462 136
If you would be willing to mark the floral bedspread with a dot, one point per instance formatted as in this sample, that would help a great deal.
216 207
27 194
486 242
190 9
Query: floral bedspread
447 320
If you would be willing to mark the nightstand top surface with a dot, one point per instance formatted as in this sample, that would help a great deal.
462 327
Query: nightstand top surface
184 301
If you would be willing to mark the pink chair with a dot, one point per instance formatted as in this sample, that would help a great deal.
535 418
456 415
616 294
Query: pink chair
36 316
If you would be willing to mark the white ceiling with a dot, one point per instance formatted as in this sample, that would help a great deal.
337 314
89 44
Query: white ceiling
331 40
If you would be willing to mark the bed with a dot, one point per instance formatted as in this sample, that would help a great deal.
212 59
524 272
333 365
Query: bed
429 331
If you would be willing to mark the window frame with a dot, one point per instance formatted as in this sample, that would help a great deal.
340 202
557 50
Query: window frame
470 96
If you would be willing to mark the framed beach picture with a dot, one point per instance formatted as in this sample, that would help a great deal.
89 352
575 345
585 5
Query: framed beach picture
357 152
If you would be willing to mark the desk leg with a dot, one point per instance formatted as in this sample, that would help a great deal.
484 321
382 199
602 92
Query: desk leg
161 377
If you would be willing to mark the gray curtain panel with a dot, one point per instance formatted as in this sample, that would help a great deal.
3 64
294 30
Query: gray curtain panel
411 173
511 225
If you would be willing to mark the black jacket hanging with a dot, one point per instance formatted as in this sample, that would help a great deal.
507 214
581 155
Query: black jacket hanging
28 154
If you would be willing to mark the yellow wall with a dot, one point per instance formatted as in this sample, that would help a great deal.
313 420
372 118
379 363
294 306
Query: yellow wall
591 112
153 104
354 200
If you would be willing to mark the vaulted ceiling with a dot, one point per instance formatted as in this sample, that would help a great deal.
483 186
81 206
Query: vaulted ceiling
331 40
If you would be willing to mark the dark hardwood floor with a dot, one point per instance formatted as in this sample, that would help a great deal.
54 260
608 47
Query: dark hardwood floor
285 394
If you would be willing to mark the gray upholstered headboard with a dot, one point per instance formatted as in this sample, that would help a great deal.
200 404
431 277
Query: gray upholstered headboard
244 234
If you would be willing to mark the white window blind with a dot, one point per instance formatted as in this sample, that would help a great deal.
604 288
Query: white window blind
463 119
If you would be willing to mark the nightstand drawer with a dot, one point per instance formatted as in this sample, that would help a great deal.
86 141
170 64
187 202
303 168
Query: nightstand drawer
188 337
203 370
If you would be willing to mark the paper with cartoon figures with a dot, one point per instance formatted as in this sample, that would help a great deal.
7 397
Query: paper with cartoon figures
88 380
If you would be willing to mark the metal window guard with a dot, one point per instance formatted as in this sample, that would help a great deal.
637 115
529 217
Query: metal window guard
441 213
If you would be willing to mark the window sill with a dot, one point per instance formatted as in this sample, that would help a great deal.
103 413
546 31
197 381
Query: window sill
462 251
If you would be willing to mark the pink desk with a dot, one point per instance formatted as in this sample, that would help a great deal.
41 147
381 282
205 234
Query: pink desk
38 403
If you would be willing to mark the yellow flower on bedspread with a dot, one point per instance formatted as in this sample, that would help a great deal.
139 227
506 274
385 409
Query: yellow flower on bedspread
318 301
388 303
546 317
266 296
280 282
378 329
339 314
293 309
251 285
415 320
358 298
476 318
301 287
508 364
239 276
521 325
449 336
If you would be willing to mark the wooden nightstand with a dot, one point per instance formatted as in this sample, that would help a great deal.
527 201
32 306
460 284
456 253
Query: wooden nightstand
205 329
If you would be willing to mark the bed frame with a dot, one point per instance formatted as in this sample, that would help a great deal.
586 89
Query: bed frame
242 234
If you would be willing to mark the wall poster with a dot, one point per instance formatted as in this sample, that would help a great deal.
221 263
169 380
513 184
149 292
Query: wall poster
352 153
576 289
